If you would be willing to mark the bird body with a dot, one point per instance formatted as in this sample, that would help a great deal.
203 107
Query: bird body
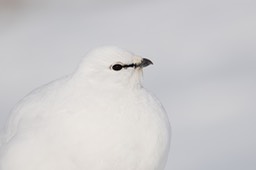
95 119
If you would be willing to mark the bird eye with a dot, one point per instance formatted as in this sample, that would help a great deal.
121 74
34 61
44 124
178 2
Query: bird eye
117 67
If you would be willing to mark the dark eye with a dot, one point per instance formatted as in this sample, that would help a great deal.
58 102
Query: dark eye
117 67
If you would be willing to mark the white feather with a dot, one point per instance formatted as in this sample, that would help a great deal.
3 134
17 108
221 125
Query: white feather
94 119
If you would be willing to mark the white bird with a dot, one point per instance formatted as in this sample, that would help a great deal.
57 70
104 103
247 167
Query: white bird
98 118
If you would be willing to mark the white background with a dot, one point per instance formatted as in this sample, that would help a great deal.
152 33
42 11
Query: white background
204 71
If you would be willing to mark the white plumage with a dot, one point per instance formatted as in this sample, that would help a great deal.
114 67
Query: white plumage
98 118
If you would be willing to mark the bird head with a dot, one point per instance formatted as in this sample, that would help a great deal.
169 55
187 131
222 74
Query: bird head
113 67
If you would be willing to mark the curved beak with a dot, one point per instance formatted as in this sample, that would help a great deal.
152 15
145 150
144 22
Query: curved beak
145 62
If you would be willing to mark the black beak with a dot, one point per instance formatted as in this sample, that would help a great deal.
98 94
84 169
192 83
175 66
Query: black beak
145 62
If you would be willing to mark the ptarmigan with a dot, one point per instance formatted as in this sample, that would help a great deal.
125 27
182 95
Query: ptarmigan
98 118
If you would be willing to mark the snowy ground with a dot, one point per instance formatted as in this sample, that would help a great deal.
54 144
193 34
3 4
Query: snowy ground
204 71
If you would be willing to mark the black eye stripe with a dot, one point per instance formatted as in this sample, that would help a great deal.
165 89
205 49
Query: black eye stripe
129 65
118 67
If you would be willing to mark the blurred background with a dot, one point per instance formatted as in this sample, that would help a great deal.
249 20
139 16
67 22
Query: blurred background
204 71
